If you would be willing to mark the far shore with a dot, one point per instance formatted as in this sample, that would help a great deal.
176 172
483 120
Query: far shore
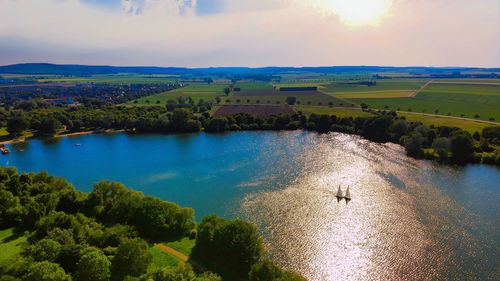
108 131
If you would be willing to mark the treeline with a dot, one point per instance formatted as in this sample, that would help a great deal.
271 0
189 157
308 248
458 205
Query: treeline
106 235
447 144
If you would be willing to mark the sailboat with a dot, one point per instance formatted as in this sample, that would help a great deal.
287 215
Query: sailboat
347 195
339 193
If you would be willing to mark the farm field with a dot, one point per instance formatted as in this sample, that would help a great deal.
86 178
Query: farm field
468 125
471 101
278 97
206 92
339 112
401 85
253 86
262 111
10 242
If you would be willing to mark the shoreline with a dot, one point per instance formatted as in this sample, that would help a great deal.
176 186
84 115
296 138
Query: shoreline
81 133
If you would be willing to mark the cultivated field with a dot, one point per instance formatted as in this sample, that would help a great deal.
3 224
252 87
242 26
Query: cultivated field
461 100
339 112
206 92
261 111
280 97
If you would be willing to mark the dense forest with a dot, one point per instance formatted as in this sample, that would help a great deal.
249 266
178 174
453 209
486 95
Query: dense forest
105 235
445 144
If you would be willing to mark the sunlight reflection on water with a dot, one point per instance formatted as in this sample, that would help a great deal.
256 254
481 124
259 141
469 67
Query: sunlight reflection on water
396 227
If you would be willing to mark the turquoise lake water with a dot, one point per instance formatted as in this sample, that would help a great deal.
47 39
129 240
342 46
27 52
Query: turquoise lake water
408 219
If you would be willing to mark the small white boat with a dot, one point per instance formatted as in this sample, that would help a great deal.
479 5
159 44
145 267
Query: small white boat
339 193
347 195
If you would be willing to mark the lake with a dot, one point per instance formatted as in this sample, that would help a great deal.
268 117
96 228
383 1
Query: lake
408 219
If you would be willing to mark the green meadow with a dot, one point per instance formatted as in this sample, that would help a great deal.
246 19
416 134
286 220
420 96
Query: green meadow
339 112
470 101
11 240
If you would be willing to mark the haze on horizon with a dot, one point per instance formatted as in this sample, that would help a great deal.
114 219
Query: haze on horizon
201 33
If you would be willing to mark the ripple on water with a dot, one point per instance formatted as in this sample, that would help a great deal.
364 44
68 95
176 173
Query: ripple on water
397 226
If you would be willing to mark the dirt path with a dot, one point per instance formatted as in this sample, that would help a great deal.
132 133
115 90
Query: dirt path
173 252
414 94
453 117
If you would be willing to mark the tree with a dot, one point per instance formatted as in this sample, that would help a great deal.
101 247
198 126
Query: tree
46 271
291 100
217 125
231 248
132 258
17 124
442 147
48 127
267 270
45 250
227 91
93 265
461 147
413 145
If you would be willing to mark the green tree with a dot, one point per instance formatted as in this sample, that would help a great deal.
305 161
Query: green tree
46 271
132 258
291 100
45 250
48 127
93 265
413 145
268 271
461 147
17 124
442 147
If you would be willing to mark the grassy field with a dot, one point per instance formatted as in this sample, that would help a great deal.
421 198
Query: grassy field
162 259
277 97
113 79
3 132
10 242
339 112
206 92
401 85
444 99
185 245
253 86
467 125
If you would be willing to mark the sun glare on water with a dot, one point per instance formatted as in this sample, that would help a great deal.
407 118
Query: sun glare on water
358 12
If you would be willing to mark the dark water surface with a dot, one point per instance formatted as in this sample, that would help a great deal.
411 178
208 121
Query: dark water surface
408 219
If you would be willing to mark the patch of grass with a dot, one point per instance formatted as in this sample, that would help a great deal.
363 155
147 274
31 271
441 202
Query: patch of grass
375 94
253 86
11 240
382 85
339 112
3 132
184 245
467 125
162 259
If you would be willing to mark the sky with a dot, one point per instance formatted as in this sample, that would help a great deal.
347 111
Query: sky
203 33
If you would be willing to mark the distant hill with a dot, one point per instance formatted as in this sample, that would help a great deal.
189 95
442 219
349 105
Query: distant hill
74 69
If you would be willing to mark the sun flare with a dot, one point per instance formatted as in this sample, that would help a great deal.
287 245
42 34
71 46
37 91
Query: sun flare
359 12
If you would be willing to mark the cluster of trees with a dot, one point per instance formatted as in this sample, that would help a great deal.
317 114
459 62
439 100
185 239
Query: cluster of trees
106 235
234 249
448 144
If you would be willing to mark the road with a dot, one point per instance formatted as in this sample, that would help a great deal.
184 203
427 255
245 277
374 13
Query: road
172 252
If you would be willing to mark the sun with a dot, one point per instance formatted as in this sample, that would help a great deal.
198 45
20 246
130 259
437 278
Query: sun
359 12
